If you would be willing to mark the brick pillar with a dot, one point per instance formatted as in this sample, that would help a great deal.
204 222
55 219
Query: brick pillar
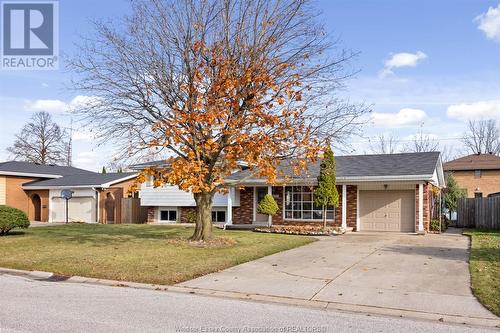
151 215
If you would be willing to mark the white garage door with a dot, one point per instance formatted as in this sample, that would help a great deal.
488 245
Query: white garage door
387 210
80 209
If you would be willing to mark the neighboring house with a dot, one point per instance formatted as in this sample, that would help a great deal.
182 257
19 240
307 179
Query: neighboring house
377 193
478 174
36 190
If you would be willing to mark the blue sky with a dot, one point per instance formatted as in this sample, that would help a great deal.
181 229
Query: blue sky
424 66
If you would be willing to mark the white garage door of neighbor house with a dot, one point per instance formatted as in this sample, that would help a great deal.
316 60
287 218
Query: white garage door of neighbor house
387 210
80 209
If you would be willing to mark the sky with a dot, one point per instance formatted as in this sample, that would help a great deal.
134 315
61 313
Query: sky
424 67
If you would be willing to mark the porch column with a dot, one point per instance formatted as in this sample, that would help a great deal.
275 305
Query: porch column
420 207
270 218
344 206
229 219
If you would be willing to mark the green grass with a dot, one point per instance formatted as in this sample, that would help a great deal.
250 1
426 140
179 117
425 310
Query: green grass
485 267
140 253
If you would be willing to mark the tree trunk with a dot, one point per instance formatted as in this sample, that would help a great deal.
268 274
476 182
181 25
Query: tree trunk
203 227
324 217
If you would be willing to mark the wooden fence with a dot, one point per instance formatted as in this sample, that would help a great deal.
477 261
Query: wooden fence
133 212
479 213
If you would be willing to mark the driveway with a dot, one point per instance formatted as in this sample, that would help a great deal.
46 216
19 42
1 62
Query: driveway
398 272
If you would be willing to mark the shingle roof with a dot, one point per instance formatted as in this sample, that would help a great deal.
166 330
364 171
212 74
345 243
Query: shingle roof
39 169
91 179
360 166
474 162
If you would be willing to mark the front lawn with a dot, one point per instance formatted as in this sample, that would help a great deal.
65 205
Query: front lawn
140 253
485 267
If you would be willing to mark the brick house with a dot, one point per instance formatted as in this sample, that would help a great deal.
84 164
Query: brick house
377 193
477 174
36 190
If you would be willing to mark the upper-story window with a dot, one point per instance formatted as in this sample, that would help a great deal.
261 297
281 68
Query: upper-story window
149 181
477 173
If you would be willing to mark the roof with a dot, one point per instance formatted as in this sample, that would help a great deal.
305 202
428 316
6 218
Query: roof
17 168
82 180
141 166
474 162
407 166
165 164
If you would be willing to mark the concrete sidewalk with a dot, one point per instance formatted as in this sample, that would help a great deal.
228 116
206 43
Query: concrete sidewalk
419 275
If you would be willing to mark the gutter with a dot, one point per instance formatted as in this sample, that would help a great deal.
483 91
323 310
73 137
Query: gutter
340 180
27 174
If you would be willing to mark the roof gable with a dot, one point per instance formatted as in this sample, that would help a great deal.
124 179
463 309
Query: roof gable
474 162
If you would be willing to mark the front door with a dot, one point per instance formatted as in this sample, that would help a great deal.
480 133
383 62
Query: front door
260 193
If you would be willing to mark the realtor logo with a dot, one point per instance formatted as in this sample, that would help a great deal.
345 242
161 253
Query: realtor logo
29 35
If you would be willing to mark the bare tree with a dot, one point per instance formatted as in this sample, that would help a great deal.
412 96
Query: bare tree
482 137
212 82
41 141
421 143
385 144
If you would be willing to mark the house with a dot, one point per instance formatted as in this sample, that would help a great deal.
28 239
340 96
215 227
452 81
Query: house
36 190
378 193
477 174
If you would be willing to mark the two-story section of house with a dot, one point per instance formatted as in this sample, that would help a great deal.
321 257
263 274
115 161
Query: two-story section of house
169 204
478 174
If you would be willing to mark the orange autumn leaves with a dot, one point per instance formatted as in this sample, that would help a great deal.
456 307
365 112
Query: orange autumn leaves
235 108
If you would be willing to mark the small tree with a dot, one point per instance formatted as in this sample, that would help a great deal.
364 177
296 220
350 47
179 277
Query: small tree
11 218
103 171
451 194
326 194
268 206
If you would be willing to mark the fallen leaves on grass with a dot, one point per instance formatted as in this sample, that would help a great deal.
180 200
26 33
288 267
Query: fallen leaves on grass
216 242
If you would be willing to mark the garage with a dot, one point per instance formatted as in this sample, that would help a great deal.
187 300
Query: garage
387 211
80 209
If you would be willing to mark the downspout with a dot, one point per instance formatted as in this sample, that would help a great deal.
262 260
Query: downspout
98 213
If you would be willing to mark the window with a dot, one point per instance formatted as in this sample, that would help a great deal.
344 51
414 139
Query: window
168 215
478 195
477 173
299 205
218 216
149 181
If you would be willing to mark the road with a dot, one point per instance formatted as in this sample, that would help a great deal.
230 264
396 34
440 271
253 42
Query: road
40 306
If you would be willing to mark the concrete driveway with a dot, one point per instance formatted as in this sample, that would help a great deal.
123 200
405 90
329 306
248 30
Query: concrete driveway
407 273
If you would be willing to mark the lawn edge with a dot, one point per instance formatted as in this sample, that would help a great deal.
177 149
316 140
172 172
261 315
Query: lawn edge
469 234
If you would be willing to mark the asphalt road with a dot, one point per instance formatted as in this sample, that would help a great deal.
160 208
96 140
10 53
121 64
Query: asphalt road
39 306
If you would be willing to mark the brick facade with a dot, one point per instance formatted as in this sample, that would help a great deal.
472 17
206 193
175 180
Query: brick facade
184 214
244 213
151 215
487 183
426 196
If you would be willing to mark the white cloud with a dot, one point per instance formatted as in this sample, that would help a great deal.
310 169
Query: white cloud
402 59
49 105
482 109
45 85
489 23
58 106
405 117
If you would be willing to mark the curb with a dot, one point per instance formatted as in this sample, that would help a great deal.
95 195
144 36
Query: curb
320 305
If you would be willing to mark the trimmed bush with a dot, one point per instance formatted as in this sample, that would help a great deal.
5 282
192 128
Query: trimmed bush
11 218
268 206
